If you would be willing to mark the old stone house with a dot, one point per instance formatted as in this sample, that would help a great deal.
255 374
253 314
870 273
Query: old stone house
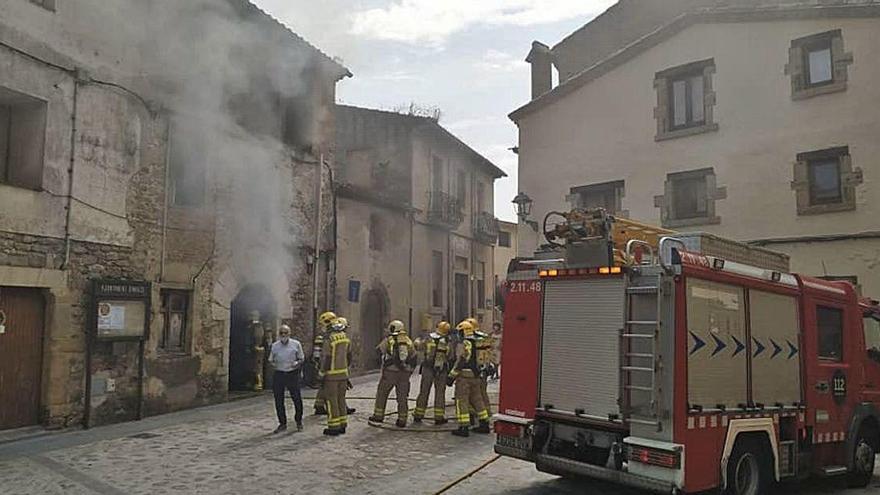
416 227
180 152
754 119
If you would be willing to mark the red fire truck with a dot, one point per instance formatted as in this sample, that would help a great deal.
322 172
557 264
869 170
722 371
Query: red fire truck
684 362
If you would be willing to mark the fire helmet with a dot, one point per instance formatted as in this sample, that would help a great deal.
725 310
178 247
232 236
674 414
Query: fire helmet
443 328
396 327
474 323
327 318
466 328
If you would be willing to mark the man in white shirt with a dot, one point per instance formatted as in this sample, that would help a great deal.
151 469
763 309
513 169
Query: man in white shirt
287 357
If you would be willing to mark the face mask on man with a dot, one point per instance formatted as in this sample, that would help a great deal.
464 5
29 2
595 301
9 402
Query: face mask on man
285 338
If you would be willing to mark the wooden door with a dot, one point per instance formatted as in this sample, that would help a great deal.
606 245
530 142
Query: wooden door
21 356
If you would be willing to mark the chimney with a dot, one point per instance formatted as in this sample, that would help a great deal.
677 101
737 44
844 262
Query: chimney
542 68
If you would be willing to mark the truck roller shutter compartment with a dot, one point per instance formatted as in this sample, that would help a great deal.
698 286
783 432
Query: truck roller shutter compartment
580 345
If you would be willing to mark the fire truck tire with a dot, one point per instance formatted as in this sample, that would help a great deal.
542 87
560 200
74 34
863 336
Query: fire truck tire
863 460
749 471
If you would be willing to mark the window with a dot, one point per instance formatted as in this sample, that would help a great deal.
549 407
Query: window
818 65
872 336
685 100
461 187
22 138
437 174
481 285
686 97
608 195
825 181
481 197
830 329
175 306
377 235
504 239
437 279
690 198
187 171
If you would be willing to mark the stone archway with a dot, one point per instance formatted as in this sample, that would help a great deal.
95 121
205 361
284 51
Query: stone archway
252 299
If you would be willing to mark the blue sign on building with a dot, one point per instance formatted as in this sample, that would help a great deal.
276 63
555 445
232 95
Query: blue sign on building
354 291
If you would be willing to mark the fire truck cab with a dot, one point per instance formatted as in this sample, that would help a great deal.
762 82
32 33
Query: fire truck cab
684 362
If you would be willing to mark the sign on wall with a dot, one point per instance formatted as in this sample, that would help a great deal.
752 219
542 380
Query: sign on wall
354 291
120 309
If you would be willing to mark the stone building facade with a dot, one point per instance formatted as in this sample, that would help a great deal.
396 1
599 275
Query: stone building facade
751 119
416 227
189 147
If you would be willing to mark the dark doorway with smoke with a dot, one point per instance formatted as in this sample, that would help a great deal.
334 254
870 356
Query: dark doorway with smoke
374 319
251 328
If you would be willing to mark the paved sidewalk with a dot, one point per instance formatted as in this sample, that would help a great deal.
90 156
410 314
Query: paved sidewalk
229 448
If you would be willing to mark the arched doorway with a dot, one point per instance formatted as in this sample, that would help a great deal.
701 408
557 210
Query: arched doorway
241 341
375 314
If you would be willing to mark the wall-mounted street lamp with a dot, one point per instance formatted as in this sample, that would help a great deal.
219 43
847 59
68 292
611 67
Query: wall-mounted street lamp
524 208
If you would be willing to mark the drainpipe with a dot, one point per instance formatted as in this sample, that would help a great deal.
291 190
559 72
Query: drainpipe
165 204
317 255
70 167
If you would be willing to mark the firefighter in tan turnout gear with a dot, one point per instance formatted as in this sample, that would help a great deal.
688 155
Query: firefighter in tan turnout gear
434 369
487 359
398 361
325 321
335 359
466 377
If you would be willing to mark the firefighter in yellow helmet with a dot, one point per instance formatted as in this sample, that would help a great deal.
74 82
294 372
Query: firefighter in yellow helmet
486 360
466 377
398 361
325 321
335 360
434 370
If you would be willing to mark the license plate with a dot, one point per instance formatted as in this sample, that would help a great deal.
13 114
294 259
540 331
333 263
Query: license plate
514 442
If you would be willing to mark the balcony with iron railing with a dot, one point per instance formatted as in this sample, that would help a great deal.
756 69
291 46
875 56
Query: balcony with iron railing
486 228
444 210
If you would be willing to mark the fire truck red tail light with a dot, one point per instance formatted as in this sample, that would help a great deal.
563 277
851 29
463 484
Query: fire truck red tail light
508 429
655 457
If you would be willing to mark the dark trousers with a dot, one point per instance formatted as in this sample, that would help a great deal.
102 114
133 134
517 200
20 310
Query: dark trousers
289 380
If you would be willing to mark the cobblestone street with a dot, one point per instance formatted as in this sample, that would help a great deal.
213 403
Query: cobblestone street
229 448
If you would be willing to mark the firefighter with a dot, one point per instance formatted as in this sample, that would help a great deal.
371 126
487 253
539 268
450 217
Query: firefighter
486 360
466 377
434 369
325 322
333 373
398 361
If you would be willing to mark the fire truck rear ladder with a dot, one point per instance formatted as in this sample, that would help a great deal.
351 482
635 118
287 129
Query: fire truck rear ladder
639 356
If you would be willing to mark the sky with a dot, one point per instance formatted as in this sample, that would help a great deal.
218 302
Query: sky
465 57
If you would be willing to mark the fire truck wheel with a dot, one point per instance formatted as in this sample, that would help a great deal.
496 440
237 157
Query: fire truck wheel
749 469
863 461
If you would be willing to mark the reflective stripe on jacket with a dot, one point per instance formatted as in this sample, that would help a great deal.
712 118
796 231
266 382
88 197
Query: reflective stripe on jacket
336 356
